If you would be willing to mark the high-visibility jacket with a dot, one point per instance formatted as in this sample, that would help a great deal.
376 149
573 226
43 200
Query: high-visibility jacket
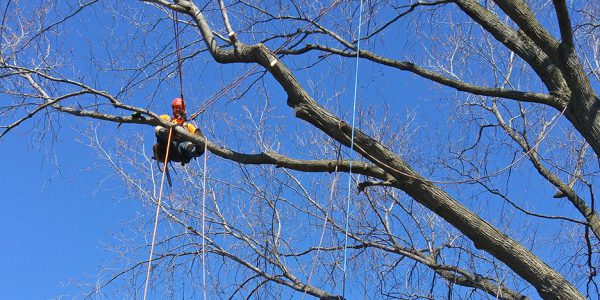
187 125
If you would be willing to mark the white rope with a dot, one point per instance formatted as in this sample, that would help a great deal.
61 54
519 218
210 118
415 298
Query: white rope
203 221
162 184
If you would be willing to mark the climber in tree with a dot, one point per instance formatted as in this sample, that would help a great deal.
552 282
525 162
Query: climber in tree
180 151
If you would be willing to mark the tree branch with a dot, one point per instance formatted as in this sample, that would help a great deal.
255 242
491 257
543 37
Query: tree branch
531 151
564 23
520 12
518 43
436 77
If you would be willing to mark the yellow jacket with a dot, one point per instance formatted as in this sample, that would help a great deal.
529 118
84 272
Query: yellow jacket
189 126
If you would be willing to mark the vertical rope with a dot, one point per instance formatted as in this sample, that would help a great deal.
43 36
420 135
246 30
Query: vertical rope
162 184
180 67
178 51
351 150
203 221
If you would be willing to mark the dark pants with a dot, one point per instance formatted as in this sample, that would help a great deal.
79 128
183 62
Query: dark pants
179 151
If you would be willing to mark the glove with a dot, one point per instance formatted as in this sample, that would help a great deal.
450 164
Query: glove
198 132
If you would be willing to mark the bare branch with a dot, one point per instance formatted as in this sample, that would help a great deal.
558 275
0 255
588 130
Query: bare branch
436 77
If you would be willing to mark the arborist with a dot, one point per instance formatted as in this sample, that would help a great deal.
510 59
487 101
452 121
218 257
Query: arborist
180 151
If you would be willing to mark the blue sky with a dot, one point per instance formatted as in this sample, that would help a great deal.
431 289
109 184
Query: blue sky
53 223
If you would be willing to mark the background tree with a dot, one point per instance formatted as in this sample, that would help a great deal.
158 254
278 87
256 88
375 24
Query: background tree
455 194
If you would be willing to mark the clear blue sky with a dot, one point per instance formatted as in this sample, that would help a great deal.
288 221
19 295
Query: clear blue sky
54 223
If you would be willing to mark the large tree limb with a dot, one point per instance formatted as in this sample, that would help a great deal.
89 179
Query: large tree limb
265 158
520 12
452 274
566 79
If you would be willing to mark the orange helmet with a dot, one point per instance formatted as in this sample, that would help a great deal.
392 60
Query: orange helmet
179 114
178 104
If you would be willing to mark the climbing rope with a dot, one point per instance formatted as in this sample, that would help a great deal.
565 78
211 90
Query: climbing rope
216 97
165 168
160 193
178 51
179 67
351 150
203 221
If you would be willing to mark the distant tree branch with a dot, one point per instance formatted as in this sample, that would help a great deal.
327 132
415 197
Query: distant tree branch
436 77
531 152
